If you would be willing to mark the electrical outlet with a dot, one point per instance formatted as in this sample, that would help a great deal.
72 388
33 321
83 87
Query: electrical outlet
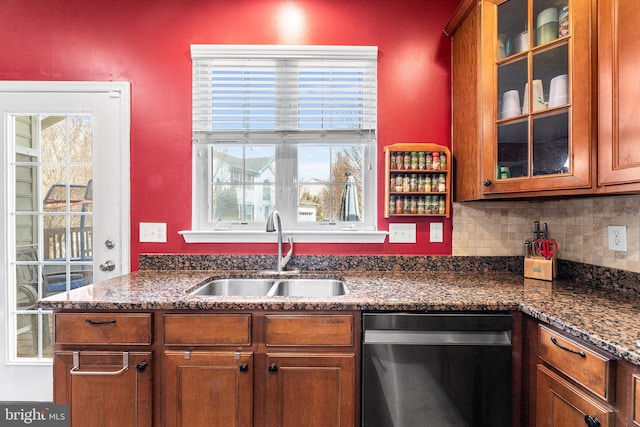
402 233
618 238
153 232
436 232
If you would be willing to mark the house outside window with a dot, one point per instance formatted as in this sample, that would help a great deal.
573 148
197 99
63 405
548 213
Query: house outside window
300 121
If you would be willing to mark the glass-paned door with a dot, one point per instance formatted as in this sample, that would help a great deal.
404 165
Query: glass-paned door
53 218
64 209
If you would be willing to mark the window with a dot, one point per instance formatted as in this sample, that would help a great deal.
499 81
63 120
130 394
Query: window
286 127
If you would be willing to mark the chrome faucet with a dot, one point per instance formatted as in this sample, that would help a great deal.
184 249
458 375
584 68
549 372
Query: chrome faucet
275 224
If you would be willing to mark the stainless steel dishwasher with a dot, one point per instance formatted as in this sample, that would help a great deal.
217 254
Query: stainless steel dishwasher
423 369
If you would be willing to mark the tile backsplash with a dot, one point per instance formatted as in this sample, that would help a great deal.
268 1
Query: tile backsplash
580 226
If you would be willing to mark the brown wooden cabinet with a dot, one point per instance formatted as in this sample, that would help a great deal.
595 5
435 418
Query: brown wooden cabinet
570 383
103 368
503 145
319 386
618 84
563 404
208 388
260 368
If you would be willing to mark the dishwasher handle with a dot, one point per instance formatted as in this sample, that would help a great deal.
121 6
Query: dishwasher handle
453 338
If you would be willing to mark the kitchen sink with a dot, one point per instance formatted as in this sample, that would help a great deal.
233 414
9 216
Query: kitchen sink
273 287
239 286
309 288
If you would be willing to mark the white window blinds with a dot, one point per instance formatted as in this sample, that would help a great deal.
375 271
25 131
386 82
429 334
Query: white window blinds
298 90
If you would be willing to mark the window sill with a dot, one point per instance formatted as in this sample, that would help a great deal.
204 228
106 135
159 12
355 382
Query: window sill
253 236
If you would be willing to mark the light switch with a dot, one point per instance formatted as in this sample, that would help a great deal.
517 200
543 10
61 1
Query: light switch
402 233
153 232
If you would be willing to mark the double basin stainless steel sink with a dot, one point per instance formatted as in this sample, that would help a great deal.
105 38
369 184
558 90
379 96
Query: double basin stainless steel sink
289 287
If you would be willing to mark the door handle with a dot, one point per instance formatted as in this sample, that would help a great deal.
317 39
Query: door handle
108 266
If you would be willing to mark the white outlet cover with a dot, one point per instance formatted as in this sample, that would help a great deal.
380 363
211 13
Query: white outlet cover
617 238
402 233
436 232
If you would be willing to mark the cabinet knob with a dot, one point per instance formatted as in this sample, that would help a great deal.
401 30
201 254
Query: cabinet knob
486 182
591 421
244 367
273 368
141 366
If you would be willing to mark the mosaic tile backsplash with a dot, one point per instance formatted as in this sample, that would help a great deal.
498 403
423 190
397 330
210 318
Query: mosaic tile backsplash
580 226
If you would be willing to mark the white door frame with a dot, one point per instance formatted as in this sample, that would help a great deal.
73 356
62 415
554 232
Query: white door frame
38 375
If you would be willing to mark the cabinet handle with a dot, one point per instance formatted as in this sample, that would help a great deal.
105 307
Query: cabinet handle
486 182
244 367
579 353
76 366
273 368
141 366
105 322
591 421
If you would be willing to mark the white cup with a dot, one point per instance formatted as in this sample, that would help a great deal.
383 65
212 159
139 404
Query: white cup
510 104
558 94
537 96
520 42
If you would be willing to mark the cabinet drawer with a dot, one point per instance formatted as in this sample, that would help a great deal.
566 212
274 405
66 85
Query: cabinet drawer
103 328
311 330
207 329
593 370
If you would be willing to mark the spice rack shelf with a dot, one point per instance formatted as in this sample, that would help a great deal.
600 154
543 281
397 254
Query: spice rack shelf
415 186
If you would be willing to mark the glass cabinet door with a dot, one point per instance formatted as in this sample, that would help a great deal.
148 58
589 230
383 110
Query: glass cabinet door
534 63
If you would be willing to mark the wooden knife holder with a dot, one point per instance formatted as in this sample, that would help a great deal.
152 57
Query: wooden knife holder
541 268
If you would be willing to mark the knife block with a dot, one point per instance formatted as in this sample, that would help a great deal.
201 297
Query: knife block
541 268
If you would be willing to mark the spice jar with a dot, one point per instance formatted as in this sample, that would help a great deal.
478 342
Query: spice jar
428 161
442 183
399 161
392 205
413 182
414 160
443 160
399 205
441 206
420 205
435 165
398 184
421 183
407 161
406 184
421 160
406 206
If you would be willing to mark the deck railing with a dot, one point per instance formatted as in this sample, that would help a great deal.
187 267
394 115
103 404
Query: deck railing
80 243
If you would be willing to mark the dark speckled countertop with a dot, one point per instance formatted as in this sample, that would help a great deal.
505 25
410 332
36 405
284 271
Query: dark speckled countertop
604 317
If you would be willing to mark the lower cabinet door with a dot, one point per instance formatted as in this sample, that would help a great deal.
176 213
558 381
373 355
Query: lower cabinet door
310 390
207 388
562 404
105 388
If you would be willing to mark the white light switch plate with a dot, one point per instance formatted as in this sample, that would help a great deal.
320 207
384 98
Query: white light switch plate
402 233
435 232
153 232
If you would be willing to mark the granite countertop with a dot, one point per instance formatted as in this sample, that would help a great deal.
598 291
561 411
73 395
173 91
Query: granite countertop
605 318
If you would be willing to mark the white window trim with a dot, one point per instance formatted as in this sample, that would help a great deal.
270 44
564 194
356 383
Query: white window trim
254 236
335 233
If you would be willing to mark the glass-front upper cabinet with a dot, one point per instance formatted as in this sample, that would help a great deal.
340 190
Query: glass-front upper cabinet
536 95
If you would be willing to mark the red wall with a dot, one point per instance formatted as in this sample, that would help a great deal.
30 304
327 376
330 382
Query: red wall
146 42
